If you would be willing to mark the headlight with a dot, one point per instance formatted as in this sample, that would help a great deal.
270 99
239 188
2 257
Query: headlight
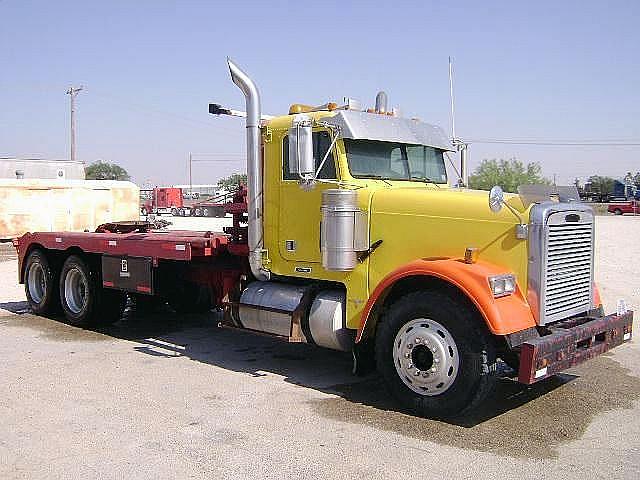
502 285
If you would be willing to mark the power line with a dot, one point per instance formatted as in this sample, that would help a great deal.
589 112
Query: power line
216 158
156 110
567 143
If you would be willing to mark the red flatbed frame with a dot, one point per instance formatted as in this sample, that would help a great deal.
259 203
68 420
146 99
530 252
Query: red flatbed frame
156 244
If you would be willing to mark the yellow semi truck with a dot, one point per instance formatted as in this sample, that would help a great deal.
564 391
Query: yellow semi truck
356 240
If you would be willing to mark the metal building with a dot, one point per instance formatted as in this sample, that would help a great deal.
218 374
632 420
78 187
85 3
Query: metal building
39 168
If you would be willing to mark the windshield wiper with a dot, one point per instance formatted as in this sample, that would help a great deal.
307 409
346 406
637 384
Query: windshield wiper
380 177
425 180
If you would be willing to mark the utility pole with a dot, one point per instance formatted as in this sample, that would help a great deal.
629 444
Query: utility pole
190 179
72 92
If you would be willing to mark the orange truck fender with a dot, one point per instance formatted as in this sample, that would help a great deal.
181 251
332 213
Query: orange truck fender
502 315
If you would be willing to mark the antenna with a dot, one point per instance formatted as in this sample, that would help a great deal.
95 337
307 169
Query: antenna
453 112
459 145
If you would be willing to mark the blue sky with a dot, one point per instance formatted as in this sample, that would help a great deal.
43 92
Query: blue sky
525 70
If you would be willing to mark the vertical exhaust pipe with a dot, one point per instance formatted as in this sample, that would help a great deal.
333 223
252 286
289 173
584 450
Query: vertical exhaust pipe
254 170
381 102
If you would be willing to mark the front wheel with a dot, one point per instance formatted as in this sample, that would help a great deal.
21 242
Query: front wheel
617 211
435 354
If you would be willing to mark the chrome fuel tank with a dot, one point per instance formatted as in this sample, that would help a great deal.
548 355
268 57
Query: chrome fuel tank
344 230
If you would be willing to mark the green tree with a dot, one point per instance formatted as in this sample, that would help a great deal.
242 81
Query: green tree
105 171
601 185
233 181
509 174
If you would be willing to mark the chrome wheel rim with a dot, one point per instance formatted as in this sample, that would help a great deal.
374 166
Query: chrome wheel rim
36 281
426 357
75 290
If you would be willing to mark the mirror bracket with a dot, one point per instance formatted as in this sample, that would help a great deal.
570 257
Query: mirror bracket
496 201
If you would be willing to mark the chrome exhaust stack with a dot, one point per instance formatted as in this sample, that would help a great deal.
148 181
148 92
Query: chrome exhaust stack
381 102
254 170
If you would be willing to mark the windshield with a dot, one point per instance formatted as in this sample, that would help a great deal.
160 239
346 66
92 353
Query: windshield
395 161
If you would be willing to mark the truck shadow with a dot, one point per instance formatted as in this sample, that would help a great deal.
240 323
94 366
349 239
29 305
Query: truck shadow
15 307
518 420
199 338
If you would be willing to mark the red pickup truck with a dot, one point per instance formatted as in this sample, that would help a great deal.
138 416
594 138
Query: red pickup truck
624 207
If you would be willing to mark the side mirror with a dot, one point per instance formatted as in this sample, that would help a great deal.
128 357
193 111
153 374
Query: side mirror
496 199
301 161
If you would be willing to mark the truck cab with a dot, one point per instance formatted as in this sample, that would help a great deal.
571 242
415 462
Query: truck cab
437 282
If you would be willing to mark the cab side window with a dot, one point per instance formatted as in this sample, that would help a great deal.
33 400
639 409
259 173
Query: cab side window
321 143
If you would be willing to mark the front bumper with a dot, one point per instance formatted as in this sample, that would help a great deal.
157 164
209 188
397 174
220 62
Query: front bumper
572 343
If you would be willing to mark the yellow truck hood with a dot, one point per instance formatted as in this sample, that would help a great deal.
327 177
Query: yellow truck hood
429 222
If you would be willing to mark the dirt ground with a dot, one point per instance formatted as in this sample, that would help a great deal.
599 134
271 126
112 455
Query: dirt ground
168 397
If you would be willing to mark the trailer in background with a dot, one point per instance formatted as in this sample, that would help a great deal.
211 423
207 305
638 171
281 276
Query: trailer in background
46 205
213 206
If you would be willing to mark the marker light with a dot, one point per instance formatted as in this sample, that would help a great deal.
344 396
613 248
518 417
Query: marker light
502 285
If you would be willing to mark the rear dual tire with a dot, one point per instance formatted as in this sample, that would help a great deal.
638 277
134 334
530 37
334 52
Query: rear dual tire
83 299
40 284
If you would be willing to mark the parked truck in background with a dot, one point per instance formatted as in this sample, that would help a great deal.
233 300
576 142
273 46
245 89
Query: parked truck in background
623 191
349 236
161 200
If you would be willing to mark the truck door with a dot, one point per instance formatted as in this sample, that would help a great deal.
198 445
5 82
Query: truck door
299 215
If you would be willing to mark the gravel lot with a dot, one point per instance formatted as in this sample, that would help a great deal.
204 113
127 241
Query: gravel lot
168 397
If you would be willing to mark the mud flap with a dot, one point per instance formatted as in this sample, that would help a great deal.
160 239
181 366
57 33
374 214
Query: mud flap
131 274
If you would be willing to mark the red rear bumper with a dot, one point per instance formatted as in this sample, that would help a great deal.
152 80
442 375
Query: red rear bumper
571 345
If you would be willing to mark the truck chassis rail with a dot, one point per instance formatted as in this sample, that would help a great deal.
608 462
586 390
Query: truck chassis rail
571 344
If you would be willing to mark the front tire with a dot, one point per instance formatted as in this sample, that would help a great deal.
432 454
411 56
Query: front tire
617 211
84 301
435 355
40 284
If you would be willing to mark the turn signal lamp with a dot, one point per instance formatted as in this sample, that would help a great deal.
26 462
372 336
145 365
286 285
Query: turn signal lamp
502 285
471 255
300 108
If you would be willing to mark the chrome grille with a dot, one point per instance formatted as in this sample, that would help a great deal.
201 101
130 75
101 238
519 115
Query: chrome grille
568 270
